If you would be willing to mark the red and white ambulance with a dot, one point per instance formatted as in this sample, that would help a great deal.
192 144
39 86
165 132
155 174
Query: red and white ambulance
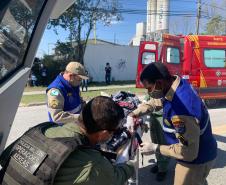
201 59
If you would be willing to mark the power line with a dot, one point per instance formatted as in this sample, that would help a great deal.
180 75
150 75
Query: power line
207 16
144 12
173 13
214 6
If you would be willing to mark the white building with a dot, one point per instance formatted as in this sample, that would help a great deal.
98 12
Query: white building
157 22
140 34
122 59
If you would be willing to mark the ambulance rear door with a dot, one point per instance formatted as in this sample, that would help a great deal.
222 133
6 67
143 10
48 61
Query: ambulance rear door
172 53
148 53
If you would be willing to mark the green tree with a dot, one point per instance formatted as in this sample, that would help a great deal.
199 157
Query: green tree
216 26
54 67
81 17
65 51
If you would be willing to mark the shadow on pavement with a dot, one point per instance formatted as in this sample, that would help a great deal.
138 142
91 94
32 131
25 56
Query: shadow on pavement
221 155
148 178
220 138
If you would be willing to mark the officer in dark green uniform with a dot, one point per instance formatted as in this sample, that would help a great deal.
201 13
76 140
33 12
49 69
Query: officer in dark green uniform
65 155
100 118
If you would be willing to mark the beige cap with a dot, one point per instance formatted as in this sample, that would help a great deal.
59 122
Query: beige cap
78 69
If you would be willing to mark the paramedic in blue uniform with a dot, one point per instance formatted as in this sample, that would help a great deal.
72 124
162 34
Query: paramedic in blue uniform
63 94
186 125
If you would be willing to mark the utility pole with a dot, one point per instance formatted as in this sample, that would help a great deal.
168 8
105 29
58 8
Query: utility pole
198 17
94 32
50 49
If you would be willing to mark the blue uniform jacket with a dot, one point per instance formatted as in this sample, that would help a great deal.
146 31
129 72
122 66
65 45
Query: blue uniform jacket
72 101
185 101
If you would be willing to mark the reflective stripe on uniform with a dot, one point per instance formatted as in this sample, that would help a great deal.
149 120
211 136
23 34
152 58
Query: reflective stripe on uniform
206 125
75 110
170 130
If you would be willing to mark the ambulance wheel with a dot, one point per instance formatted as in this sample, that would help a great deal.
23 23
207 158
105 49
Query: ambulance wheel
212 103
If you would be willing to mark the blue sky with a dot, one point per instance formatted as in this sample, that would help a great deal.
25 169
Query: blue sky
124 31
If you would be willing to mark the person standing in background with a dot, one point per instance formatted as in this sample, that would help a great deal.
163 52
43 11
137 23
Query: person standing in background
85 82
108 73
33 80
43 71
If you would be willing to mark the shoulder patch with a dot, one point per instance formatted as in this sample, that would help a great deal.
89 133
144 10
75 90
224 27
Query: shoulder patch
54 92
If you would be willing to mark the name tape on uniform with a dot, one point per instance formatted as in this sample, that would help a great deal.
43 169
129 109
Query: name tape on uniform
28 156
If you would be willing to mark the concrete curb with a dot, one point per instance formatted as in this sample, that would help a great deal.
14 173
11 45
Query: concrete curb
32 104
89 89
141 97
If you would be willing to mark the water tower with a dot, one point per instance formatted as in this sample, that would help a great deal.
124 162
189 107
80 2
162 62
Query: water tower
157 16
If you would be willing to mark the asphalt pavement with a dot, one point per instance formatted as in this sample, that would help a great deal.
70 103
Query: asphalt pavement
89 88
